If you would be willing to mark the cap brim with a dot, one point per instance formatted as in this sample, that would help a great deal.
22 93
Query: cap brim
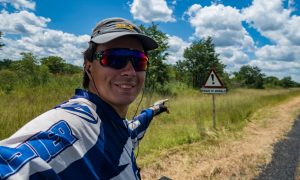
148 42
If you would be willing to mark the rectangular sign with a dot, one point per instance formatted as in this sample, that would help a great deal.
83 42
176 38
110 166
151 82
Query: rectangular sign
213 90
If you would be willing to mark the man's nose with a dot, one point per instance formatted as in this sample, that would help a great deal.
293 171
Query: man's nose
128 70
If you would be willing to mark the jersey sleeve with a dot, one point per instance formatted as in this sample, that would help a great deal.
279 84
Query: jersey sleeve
47 146
138 126
30 157
21 162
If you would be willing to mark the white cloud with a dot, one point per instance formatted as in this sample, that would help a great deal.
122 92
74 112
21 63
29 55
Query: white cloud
235 45
22 22
276 23
276 65
65 45
233 57
274 15
222 23
36 38
42 44
279 68
151 10
273 21
278 53
20 4
176 49
291 30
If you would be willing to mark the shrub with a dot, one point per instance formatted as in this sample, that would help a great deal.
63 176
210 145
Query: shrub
8 79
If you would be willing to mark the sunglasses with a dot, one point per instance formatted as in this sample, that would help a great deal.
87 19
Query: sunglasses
118 58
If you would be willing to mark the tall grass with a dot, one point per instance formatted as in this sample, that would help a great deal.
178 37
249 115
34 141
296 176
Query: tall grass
25 102
190 117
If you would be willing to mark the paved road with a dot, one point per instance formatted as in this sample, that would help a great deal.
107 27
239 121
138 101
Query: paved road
286 157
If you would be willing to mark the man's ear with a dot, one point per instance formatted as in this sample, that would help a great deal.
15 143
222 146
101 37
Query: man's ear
87 67
88 70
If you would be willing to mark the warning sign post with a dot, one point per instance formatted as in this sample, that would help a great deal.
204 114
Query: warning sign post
213 90
213 85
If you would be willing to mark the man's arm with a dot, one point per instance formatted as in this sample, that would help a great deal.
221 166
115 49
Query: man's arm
140 123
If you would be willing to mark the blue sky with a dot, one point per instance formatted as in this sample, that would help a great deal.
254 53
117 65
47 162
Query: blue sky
245 32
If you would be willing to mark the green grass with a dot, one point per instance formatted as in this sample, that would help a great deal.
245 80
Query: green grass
190 118
25 103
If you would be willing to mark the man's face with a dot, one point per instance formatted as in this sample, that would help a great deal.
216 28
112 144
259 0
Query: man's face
117 87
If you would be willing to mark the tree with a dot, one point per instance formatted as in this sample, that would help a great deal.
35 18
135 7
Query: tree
8 79
1 44
287 82
55 64
58 65
182 72
271 82
29 72
27 65
157 73
5 64
250 77
199 58
71 69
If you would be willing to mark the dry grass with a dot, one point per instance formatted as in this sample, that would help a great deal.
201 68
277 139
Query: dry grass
183 136
229 158
190 119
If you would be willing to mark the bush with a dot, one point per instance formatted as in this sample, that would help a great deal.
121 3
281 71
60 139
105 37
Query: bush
8 80
43 74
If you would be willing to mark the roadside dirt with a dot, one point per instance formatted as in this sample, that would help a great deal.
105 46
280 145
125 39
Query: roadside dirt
244 158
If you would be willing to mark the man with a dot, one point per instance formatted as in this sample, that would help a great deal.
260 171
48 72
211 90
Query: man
88 136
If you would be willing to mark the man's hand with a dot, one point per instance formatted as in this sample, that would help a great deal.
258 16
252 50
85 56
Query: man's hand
159 107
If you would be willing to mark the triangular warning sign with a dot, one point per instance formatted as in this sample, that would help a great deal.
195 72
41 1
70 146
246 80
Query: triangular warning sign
213 80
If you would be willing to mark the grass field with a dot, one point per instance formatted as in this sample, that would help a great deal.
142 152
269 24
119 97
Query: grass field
190 117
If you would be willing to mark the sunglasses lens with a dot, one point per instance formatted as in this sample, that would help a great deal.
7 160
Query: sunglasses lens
118 59
116 62
139 64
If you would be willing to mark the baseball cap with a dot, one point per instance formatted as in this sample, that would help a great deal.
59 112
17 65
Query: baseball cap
112 28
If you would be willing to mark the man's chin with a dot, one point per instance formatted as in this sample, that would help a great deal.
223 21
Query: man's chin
124 99
127 101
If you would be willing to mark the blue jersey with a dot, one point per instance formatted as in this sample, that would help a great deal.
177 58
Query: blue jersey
83 138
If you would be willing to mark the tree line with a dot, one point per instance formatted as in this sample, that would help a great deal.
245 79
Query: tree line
197 60
31 71
192 70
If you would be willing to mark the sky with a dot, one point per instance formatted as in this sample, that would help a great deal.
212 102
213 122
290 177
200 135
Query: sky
262 33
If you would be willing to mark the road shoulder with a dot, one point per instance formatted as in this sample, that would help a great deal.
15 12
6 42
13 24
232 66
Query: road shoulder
242 158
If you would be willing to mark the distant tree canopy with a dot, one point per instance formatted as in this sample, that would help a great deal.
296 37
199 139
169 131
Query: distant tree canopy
30 71
8 80
25 71
5 64
157 73
199 58
287 82
271 82
54 63
250 77
192 70
58 65
28 63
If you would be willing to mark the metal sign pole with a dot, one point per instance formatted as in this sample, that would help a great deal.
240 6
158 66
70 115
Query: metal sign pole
213 85
214 111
